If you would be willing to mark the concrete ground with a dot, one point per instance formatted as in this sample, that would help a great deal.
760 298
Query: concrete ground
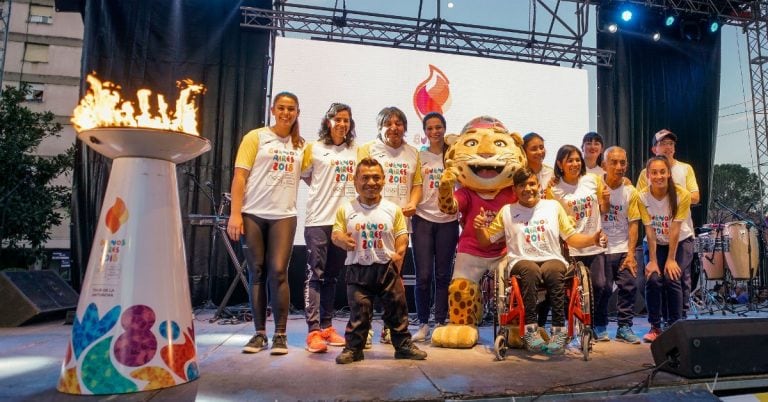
31 356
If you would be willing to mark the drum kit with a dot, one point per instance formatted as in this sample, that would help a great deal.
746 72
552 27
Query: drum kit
728 253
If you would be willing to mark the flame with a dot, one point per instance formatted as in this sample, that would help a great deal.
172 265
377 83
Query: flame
432 95
103 106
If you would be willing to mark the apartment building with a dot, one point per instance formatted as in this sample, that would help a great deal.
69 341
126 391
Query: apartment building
42 47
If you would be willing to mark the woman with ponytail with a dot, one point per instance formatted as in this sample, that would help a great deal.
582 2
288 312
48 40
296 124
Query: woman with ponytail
665 210
263 210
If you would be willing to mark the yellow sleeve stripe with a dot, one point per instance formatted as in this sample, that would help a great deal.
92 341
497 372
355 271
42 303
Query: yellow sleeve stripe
249 148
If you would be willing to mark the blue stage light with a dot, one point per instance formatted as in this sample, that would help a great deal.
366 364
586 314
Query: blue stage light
714 26
669 21
626 15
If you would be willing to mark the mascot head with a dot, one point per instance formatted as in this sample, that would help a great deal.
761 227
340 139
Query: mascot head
485 154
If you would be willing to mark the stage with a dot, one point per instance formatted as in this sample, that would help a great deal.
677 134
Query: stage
31 356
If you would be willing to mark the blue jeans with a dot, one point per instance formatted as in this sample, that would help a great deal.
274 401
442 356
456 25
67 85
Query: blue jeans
625 302
434 250
664 295
324 261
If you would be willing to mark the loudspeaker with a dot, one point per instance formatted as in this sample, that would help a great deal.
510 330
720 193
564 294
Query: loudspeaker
706 348
28 294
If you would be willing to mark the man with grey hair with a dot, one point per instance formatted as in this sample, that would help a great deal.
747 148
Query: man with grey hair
620 224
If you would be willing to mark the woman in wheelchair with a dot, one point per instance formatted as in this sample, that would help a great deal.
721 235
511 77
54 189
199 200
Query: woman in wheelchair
532 228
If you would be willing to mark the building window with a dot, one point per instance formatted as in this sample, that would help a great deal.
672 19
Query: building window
36 53
40 14
36 92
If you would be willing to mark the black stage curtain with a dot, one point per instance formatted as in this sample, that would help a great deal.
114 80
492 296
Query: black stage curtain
674 84
152 44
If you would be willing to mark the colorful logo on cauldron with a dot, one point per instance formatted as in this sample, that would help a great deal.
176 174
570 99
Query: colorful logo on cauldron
116 215
432 95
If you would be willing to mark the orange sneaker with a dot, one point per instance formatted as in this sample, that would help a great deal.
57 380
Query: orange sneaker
316 343
333 338
652 334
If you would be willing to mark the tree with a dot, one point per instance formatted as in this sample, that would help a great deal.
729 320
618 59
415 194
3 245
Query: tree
735 187
30 203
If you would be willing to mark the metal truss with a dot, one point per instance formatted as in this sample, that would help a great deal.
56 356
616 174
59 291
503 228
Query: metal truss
757 45
439 35
731 12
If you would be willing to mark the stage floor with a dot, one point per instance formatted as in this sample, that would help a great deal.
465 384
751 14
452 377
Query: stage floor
31 356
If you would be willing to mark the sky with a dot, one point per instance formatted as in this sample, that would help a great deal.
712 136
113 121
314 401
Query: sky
735 138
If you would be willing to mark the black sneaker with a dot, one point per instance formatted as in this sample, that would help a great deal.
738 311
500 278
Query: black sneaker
410 352
279 345
349 356
257 343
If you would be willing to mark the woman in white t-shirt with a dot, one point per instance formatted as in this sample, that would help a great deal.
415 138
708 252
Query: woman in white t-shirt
665 210
401 164
533 145
329 170
592 145
263 210
435 233
580 194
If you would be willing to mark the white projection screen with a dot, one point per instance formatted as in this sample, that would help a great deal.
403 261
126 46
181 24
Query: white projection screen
552 101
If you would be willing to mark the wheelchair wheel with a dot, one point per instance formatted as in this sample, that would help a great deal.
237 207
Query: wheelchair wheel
583 330
489 296
585 340
500 347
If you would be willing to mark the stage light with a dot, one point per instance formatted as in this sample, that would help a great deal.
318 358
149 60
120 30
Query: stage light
626 15
656 36
669 20
612 27
714 25
450 4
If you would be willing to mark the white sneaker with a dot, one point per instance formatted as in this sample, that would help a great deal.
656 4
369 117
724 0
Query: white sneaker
422 334
369 340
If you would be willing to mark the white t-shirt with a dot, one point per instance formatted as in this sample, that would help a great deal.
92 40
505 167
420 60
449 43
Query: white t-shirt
545 175
401 169
431 171
332 169
597 170
658 215
682 175
374 229
532 234
581 202
273 181
623 209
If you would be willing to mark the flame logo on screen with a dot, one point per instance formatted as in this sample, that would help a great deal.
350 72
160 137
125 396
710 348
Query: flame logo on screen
432 95
116 215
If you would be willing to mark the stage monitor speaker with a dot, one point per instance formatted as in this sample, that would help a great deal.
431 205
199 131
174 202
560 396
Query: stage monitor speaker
25 295
709 348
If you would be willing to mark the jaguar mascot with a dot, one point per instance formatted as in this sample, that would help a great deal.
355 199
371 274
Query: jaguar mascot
482 159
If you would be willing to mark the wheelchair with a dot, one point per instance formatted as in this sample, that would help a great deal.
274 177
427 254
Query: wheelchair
509 310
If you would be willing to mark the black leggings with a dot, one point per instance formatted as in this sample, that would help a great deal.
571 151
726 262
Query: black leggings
268 247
